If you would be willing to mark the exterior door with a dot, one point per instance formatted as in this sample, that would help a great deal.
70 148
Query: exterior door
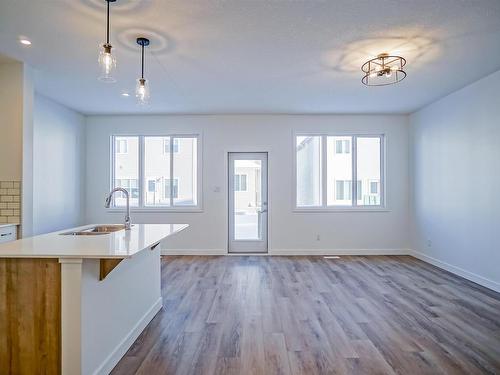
248 202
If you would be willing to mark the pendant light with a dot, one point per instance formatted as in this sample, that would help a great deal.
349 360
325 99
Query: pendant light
107 61
142 88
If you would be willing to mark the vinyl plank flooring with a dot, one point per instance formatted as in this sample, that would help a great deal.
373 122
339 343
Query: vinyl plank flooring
251 315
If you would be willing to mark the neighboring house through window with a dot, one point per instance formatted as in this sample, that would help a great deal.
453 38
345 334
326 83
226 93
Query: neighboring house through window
326 166
240 182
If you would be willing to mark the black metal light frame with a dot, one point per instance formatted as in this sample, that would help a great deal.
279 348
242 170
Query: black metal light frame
107 46
143 42
384 62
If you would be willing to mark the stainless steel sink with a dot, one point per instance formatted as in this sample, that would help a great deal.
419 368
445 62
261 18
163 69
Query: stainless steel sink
107 228
97 230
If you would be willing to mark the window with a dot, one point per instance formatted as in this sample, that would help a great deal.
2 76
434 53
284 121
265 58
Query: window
342 146
166 145
126 170
175 188
121 145
338 172
308 173
240 182
170 175
327 165
151 186
343 190
368 170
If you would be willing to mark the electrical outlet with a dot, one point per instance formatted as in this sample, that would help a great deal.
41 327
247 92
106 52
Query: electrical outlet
429 243
318 237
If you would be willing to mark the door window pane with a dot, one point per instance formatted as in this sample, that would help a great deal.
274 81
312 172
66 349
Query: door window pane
368 171
156 171
308 157
185 171
339 171
126 170
247 203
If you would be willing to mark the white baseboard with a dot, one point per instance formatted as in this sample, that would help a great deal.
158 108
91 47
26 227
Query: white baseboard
291 252
340 252
193 252
110 362
490 284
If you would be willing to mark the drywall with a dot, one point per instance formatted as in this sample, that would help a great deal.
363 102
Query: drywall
27 152
58 166
16 140
11 121
117 309
455 169
289 232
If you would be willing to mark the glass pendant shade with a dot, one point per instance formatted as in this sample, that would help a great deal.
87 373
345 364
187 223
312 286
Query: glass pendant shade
107 64
142 91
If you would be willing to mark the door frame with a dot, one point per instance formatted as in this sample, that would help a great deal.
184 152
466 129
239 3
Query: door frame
226 190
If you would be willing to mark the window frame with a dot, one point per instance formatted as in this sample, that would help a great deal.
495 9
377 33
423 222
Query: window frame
142 207
354 207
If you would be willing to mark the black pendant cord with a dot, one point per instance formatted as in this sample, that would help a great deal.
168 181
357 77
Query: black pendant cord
107 25
142 62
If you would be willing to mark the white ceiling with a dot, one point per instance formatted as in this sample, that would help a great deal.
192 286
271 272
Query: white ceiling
254 56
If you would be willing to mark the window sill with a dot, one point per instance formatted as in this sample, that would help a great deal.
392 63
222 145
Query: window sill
339 209
156 210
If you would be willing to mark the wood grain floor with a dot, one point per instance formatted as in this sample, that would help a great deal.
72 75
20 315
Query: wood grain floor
310 315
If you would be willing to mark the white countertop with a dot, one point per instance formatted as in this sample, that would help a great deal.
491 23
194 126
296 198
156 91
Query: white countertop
120 244
9 225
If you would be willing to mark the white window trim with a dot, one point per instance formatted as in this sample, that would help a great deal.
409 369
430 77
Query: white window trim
383 207
142 184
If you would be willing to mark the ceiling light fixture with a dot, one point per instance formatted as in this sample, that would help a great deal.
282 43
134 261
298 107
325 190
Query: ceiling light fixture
383 70
107 61
25 41
142 89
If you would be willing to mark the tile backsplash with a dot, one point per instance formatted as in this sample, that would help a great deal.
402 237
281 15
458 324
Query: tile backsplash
10 202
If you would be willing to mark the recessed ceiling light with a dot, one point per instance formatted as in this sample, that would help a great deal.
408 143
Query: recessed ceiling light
25 41
126 94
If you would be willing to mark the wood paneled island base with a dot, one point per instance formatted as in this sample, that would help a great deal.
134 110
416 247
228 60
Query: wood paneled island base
30 316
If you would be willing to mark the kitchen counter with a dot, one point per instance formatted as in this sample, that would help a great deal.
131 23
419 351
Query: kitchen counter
74 304
8 225
120 244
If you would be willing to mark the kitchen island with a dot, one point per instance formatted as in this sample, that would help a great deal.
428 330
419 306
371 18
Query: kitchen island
73 302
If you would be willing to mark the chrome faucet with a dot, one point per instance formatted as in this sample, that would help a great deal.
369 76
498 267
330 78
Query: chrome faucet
107 204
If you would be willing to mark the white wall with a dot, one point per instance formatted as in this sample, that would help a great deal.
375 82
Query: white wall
289 231
117 309
455 167
58 166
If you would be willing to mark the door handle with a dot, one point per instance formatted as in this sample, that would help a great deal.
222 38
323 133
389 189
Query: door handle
263 211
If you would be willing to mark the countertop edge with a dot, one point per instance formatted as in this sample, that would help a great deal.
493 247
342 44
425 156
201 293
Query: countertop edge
88 256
